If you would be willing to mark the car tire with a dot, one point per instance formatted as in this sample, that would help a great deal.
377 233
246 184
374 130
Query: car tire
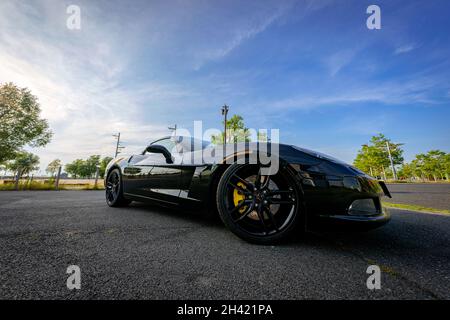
288 218
114 190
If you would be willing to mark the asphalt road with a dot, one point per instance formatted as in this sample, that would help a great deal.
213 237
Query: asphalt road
432 195
147 252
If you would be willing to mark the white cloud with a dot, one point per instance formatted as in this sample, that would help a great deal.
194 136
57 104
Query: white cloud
365 126
339 60
240 35
405 49
76 78
258 19
416 91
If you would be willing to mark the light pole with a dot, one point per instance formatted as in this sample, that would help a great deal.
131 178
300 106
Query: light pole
391 160
225 109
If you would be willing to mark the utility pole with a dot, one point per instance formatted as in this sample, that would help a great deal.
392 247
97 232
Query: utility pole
16 185
118 146
97 169
225 109
57 178
173 129
391 160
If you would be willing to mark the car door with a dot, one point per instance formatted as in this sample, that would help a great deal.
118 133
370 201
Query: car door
151 177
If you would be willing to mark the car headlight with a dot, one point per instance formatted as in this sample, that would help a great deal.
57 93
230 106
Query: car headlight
352 183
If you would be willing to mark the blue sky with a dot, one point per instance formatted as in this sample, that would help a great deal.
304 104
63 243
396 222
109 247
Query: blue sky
310 68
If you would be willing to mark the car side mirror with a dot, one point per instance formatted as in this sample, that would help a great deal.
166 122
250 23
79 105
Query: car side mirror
155 148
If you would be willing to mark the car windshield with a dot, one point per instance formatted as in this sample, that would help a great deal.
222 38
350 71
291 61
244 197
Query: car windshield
184 144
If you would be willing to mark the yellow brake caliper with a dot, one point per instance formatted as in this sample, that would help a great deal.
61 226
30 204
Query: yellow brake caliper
238 197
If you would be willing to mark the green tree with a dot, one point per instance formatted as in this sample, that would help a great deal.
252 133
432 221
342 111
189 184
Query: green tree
436 159
103 163
418 168
262 136
406 171
373 158
236 131
80 168
91 164
53 167
20 123
415 170
431 165
23 164
367 160
75 168
447 166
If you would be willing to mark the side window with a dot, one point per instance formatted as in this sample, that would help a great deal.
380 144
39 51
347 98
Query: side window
167 143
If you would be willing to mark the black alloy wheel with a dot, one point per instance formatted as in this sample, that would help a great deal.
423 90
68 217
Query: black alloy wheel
262 209
113 190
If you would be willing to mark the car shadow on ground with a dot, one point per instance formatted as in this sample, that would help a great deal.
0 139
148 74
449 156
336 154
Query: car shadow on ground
400 234
207 219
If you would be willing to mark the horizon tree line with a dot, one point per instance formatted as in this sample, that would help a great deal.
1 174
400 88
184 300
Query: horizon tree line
373 158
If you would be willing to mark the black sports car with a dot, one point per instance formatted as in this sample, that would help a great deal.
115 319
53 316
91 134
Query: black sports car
258 205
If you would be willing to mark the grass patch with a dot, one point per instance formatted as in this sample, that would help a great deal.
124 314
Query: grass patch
414 207
40 185
25 185
416 182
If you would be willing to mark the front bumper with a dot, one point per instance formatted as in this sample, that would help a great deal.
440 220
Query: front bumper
355 222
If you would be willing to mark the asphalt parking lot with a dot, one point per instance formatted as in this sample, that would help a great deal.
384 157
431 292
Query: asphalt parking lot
148 252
